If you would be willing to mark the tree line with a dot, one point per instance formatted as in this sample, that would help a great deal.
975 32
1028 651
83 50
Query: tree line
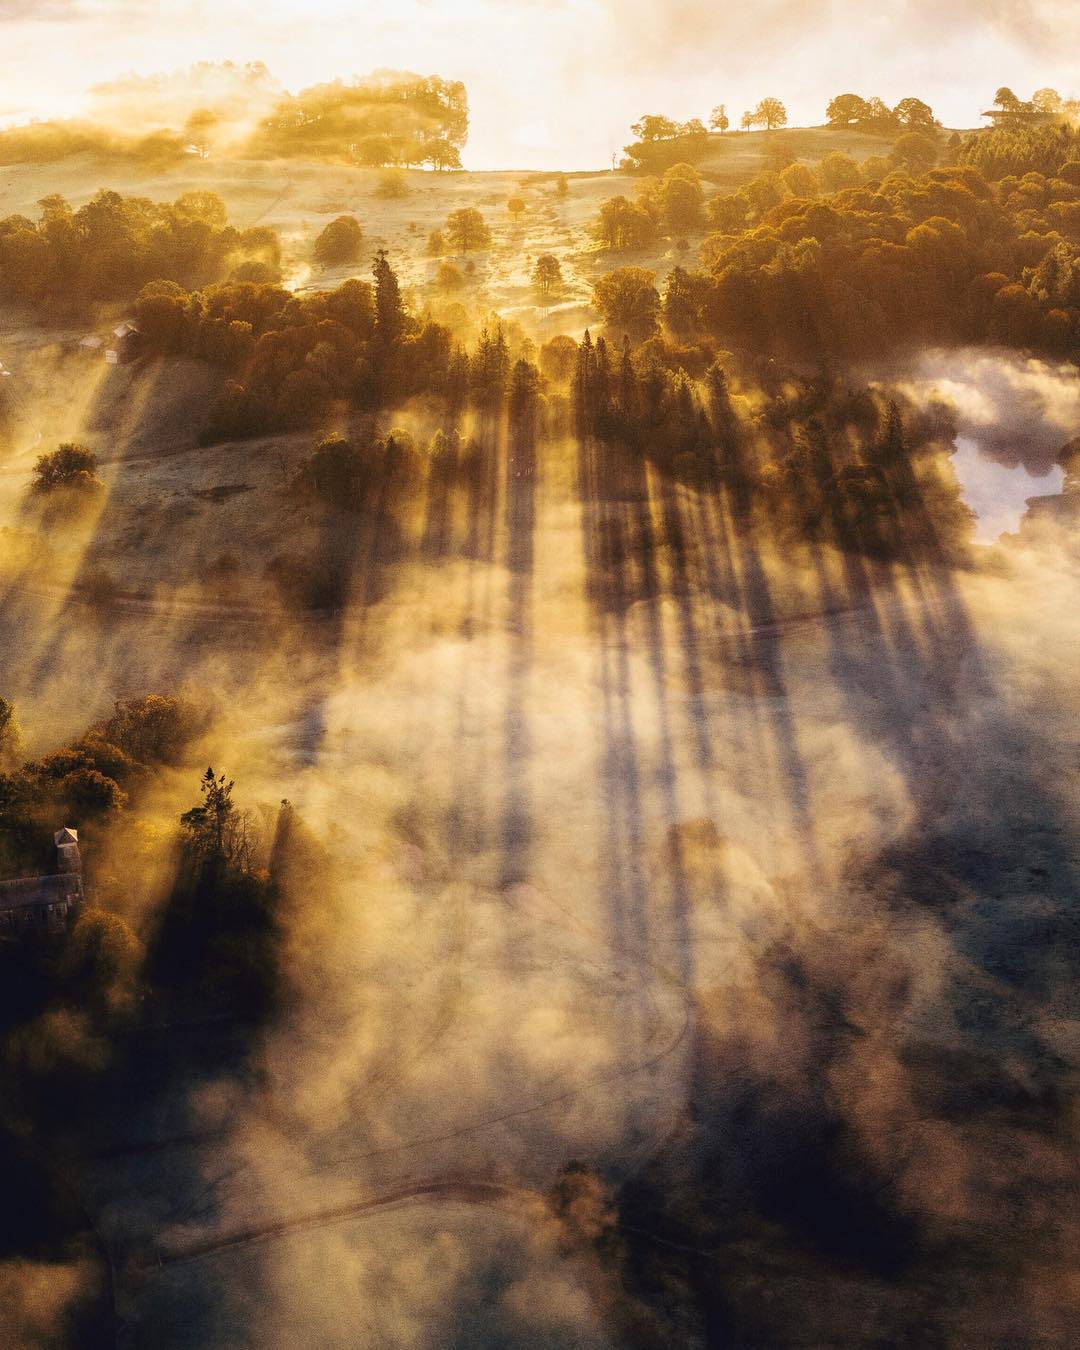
107 249
809 264
661 141
390 118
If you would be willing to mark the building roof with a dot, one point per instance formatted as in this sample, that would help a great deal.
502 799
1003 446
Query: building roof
25 891
67 835
125 329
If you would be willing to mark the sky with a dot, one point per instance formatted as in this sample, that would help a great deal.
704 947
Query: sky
556 83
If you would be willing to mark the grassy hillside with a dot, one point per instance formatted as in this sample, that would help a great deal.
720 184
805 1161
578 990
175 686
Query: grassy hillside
297 199
736 157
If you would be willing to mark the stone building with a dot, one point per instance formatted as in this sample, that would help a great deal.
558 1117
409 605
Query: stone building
45 902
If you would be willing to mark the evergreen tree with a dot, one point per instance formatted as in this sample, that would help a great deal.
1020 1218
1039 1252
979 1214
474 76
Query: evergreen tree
628 391
582 388
389 311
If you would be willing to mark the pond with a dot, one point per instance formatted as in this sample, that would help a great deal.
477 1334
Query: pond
998 492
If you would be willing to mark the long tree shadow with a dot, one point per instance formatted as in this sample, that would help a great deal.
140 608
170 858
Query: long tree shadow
623 584
520 486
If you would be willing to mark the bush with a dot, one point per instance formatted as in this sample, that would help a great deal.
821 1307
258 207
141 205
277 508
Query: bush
71 466
449 278
339 243
392 185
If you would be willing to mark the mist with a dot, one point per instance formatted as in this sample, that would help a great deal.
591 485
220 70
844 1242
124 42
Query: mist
577 867
578 833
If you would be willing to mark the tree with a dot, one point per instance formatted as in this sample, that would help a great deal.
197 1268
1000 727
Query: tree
557 359
879 116
718 118
771 112
389 311
155 729
1046 102
747 121
679 304
216 834
915 152
562 186
764 192
727 213
442 154
436 243
628 298
799 180
914 115
546 276
466 230
847 110
1010 111
516 207
623 224
449 277
70 466
838 171
681 198
339 243
655 128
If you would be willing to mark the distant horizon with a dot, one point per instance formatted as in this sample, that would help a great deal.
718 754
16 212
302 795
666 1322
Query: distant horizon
557 83
84 112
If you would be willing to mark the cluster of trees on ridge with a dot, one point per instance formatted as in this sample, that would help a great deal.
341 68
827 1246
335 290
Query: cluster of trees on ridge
389 118
397 119
661 141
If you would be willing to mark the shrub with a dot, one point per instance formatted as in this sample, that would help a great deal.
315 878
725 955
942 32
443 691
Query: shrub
70 466
449 278
392 185
339 243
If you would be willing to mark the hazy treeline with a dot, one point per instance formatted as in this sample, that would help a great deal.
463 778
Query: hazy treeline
661 141
385 118
807 459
